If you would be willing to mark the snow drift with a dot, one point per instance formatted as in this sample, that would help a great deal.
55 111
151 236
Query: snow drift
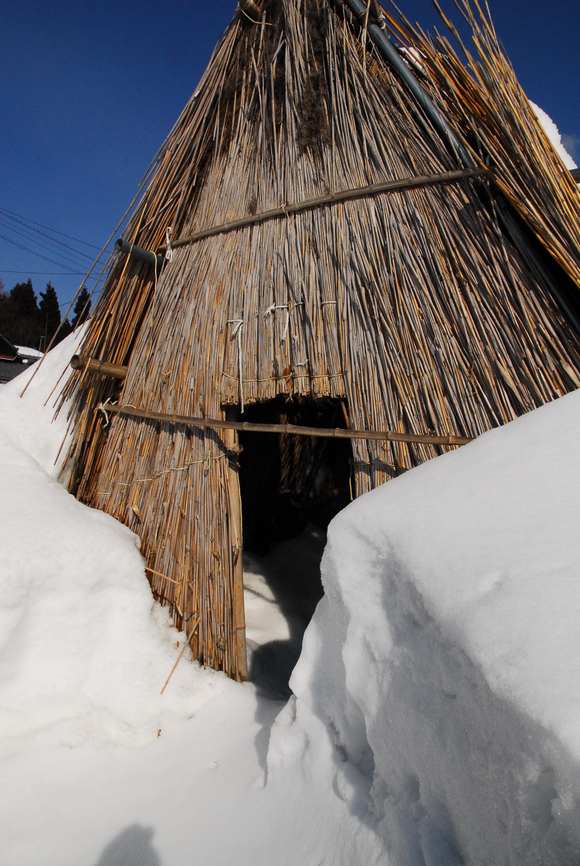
84 651
436 708
96 766
444 657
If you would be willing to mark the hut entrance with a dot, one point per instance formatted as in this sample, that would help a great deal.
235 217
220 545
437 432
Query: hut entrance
291 487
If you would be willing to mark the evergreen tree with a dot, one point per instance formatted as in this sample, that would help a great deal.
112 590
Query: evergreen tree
20 316
80 313
8 314
65 329
49 313
25 300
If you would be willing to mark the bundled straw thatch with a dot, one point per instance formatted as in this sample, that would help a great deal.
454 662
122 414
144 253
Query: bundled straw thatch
411 304
485 102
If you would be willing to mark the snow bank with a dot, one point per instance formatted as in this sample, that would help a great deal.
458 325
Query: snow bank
28 421
96 767
553 134
84 650
444 659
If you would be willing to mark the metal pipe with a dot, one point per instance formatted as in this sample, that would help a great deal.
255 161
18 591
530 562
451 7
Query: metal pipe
528 252
391 55
123 246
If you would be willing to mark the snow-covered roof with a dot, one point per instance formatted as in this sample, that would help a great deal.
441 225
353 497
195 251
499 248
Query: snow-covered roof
28 352
7 350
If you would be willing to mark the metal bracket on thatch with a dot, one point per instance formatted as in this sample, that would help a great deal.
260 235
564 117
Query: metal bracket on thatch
123 246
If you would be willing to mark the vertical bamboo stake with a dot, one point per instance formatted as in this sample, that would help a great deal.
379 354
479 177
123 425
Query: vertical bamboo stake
239 613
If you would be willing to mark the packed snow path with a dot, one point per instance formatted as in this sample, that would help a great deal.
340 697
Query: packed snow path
282 589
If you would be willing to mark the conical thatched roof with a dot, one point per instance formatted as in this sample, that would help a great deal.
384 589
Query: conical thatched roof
414 305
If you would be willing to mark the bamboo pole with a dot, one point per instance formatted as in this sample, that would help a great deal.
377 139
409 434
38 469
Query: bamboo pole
332 198
184 647
292 429
239 615
92 365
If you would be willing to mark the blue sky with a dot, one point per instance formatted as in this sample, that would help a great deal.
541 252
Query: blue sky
89 91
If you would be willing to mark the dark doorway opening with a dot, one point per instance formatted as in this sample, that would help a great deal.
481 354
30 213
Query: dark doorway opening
291 488
289 481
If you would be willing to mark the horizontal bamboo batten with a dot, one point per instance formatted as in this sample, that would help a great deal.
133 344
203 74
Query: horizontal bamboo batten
293 429
333 198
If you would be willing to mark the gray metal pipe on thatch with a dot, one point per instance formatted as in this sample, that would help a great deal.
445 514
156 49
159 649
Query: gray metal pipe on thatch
391 55
123 246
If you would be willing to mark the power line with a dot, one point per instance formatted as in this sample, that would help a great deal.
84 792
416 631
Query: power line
22 222
40 256
63 255
45 273
55 231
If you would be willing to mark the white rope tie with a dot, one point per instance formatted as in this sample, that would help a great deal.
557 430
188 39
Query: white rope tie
237 332
168 249
102 408
293 305
273 307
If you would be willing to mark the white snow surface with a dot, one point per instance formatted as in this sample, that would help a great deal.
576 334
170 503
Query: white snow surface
26 350
29 422
553 134
445 655
436 709
96 766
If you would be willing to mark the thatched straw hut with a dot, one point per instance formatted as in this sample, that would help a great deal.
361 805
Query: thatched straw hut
349 249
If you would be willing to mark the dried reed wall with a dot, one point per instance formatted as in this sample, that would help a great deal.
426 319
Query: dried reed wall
412 305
